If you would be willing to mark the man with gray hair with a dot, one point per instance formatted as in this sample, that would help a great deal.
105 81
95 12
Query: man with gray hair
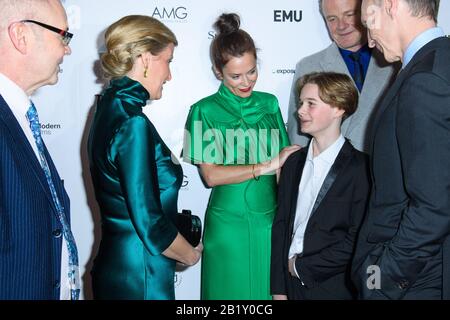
348 54
403 251
38 254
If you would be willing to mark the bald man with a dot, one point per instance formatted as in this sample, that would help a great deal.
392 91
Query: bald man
38 254
403 251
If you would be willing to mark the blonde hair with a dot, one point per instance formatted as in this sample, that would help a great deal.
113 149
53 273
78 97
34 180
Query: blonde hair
128 38
335 89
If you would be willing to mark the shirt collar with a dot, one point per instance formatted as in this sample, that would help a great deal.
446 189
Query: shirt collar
364 50
15 97
329 154
420 41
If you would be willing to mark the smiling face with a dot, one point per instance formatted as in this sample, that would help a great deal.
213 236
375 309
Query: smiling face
380 31
316 117
344 23
240 75
50 49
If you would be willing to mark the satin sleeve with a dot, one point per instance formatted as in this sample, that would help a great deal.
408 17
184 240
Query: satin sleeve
284 138
134 155
206 139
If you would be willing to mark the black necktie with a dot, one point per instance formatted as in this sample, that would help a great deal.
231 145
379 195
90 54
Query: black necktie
358 73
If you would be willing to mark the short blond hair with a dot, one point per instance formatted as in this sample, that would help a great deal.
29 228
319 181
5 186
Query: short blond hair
128 38
335 89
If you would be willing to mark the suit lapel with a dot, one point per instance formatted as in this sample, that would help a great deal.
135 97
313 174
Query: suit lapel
59 187
386 102
26 152
401 77
333 61
377 76
295 184
342 159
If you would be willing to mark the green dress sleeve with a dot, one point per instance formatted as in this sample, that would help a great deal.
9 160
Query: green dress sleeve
220 131
284 138
277 138
203 143
133 150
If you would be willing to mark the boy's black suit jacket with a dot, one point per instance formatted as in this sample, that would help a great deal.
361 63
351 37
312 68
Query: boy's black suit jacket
332 228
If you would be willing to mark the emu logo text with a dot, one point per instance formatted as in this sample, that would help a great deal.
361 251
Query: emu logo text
291 15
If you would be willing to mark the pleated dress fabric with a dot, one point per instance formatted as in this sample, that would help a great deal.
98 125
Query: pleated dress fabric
230 130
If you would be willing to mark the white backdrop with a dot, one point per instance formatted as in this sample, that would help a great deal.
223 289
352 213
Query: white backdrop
284 30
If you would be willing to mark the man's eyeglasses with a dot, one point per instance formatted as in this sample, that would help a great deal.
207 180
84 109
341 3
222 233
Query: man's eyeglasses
66 36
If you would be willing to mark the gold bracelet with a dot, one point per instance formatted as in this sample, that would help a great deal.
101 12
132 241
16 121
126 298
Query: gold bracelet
253 173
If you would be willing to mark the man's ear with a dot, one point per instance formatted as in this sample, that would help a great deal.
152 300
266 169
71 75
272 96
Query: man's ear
18 34
391 7
338 112
217 73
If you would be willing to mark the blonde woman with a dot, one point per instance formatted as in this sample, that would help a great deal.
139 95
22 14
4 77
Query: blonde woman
135 180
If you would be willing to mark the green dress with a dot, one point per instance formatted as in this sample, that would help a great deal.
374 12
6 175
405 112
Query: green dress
136 186
230 130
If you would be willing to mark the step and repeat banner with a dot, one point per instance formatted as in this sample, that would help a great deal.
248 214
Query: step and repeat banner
284 32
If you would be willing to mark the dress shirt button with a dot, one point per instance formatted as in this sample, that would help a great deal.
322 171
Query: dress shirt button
57 233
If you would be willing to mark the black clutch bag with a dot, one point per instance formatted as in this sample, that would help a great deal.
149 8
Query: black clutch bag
190 226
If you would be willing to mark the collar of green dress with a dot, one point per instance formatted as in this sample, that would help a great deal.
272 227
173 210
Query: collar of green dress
251 108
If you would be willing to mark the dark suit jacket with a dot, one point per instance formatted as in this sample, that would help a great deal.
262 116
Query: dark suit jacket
408 223
30 232
332 228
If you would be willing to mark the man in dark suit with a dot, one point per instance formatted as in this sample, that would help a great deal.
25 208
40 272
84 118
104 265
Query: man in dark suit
403 251
322 197
38 255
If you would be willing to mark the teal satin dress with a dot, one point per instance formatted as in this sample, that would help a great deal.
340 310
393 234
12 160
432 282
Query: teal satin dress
136 185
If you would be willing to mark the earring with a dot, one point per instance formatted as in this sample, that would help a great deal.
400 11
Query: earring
145 72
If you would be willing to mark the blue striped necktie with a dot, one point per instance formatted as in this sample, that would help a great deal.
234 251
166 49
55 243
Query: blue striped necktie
73 271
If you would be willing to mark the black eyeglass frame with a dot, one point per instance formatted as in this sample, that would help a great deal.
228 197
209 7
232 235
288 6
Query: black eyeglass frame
66 35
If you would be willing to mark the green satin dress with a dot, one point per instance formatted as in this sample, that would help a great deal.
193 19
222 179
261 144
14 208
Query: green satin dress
229 130
136 186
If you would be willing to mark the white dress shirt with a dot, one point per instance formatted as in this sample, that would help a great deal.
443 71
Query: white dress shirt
419 42
313 175
19 102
